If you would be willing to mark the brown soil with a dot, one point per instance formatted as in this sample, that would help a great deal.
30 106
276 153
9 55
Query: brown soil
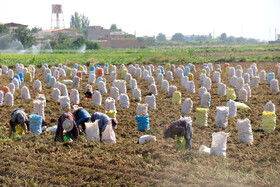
37 160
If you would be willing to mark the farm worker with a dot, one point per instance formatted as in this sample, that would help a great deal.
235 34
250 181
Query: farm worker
66 122
88 94
103 121
19 117
180 128
81 116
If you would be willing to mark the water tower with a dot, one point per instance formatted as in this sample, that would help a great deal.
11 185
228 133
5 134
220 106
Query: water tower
59 17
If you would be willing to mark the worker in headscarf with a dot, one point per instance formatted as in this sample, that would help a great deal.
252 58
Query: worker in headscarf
66 122
19 117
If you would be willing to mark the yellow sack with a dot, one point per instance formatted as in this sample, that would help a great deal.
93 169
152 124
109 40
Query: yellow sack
219 70
241 106
168 66
19 130
123 73
227 70
68 72
28 77
190 77
82 68
269 121
111 113
203 71
230 94
176 98
201 116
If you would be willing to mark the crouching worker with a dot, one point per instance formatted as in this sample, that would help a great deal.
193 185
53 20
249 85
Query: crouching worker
103 121
180 128
81 116
66 122
19 117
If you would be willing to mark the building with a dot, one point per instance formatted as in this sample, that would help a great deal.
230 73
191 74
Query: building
277 41
96 32
13 26
113 38
54 34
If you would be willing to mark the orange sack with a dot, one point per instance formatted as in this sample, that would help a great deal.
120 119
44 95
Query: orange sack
100 72
79 74
5 89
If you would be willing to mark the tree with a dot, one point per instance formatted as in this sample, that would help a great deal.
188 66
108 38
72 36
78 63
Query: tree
223 37
161 37
79 42
23 35
178 37
75 22
35 29
140 39
79 22
113 26
4 29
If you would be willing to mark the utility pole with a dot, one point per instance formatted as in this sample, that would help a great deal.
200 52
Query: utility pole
275 34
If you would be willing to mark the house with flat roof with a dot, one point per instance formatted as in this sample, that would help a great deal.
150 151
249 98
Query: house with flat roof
54 34
113 38
13 26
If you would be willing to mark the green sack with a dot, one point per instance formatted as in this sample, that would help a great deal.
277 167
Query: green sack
180 143
66 139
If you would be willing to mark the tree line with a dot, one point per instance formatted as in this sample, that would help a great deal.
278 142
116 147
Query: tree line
223 38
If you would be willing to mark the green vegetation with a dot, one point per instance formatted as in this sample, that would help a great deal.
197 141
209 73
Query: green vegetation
79 22
200 54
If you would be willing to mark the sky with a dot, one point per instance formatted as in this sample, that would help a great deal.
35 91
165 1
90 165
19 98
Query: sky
248 18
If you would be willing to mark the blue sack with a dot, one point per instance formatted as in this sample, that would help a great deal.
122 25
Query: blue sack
143 123
270 76
35 124
18 78
21 76
186 71
76 66
161 69
48 78
98 66
106 65
92 68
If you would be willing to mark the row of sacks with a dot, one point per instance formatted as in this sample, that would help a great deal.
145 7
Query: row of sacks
11 88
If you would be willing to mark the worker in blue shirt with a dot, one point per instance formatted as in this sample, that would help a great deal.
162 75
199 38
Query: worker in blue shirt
81 116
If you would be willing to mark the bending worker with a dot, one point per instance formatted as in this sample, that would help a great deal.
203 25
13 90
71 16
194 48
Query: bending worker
103 121
66 122
81 116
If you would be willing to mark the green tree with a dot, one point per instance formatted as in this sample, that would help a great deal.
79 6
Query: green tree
75 22
113 26
79 22
161 37
178 37
4 29
223 37
92 45
140 39
23 35
79 42
35 29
